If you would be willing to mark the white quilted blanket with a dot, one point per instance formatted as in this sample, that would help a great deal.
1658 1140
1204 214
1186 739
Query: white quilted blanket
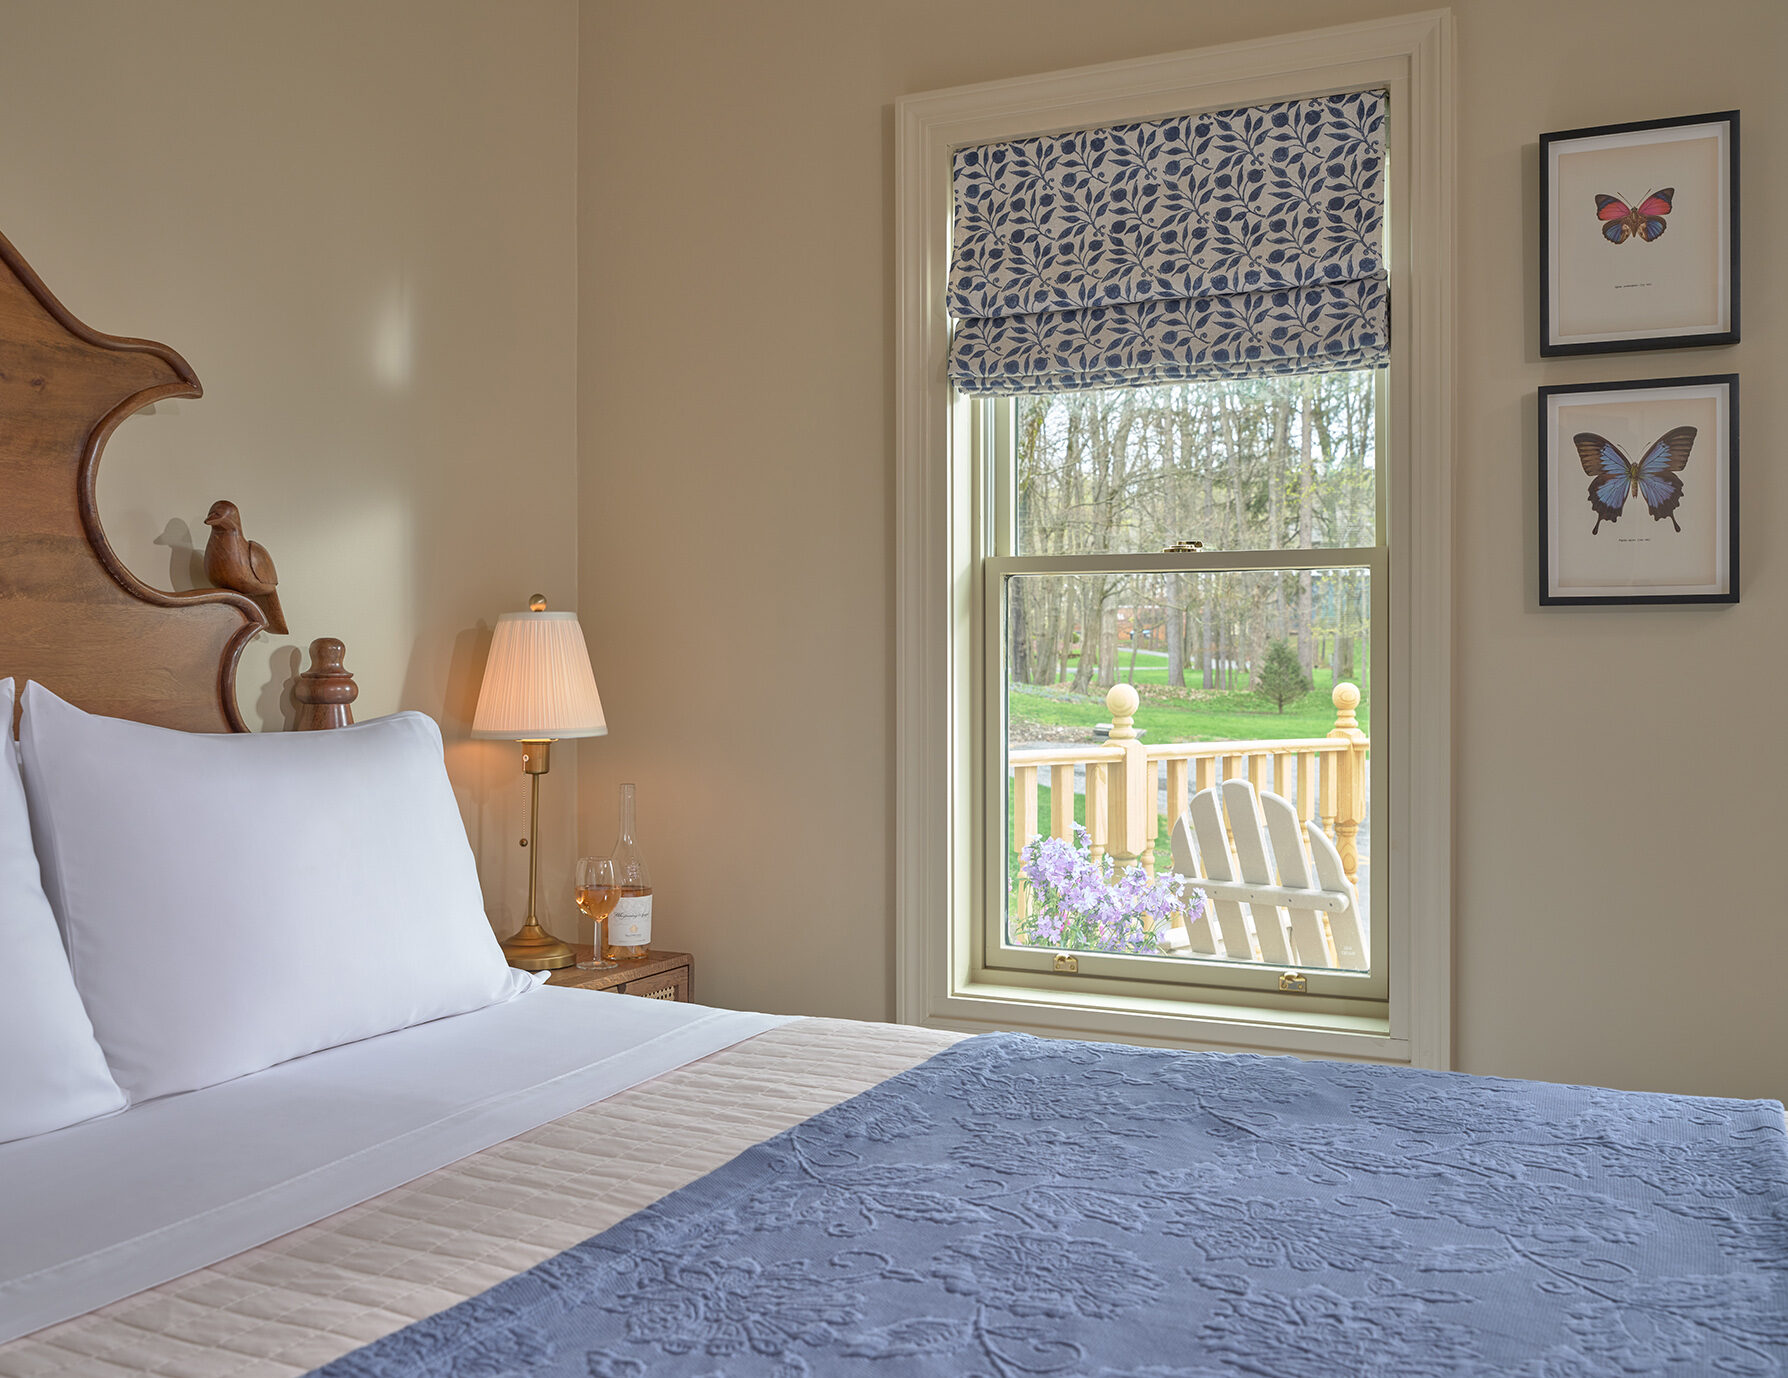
323 1291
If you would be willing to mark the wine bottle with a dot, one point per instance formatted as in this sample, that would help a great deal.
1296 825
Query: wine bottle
630 922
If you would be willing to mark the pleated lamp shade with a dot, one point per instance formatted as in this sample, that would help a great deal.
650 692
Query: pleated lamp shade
538 684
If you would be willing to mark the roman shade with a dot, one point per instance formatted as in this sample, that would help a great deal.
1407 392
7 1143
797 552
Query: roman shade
1232 243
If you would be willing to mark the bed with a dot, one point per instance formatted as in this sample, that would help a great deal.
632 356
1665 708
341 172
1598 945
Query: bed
670 1189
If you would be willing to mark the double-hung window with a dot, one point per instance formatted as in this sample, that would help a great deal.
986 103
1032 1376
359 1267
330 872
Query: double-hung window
1173 415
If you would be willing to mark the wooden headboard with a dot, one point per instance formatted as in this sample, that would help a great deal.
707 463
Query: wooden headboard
72 617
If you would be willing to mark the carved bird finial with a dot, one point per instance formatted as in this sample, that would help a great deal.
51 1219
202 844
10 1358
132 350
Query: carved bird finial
234 562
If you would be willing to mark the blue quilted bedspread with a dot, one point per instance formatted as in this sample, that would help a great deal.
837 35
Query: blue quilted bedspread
1015 1207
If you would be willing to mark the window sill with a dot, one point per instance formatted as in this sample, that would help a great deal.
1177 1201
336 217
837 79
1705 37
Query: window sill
982 1007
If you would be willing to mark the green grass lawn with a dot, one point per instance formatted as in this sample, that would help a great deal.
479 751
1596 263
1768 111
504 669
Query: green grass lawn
1220 716
1223 716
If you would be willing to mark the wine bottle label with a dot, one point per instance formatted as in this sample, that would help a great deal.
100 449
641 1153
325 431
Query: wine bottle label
631 923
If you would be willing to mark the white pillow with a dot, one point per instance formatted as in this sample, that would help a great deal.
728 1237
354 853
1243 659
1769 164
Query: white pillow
231 901
52 1073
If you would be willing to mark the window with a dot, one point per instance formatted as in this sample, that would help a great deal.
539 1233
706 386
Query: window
1085 587
1047 551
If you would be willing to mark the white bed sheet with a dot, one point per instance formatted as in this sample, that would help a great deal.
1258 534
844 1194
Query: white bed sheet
101 1210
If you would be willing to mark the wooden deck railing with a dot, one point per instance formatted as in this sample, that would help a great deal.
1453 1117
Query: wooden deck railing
1324 776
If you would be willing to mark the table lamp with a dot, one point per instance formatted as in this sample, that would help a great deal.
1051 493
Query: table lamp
538 687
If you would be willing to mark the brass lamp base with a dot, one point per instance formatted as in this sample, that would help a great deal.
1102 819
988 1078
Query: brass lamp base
534 949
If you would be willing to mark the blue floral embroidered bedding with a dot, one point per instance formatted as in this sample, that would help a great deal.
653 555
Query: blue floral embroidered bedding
1019 1207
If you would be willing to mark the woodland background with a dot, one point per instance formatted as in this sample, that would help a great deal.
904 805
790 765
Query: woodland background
1255 464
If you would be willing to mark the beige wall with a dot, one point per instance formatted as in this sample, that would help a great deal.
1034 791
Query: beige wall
357 221
1617 770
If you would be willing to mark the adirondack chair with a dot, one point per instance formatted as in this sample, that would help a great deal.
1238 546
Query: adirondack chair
1286 916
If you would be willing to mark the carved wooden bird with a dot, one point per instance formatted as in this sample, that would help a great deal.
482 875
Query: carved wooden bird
234 562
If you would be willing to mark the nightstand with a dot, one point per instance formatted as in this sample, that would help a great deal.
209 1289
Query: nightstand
657 976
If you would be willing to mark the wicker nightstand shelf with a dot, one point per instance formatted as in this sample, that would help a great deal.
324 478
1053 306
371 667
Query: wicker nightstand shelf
657 976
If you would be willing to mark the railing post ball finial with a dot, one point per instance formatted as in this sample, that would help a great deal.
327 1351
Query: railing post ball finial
1346 698
1122 701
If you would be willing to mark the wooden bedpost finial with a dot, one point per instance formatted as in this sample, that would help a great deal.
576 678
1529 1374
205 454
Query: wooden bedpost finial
325 692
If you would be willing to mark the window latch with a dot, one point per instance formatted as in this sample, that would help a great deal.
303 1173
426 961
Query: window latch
1295 983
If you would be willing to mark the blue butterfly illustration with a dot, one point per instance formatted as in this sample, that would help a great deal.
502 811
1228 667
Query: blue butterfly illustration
1613 478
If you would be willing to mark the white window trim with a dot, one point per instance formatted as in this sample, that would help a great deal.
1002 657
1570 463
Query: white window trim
936 819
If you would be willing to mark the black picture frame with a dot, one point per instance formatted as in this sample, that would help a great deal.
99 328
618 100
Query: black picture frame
1551 345
1549 484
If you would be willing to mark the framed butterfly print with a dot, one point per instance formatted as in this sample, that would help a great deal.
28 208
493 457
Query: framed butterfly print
1639 491
1639 236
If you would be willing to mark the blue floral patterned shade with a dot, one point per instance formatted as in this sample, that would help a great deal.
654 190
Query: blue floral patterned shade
1238 242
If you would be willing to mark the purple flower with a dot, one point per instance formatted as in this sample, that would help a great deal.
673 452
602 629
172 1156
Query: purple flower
1087 905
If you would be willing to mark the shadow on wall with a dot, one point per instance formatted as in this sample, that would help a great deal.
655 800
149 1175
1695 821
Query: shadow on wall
481 770
274 708
465 676
186 563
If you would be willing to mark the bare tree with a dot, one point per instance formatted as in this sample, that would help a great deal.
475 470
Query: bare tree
1135 469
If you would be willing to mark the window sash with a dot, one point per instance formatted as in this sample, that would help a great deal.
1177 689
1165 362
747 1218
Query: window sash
1208 980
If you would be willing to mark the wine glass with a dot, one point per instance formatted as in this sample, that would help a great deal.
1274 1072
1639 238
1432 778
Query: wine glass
598 890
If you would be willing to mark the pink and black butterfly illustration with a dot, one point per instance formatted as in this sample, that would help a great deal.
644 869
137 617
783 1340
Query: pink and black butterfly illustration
1613 478
1646 221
